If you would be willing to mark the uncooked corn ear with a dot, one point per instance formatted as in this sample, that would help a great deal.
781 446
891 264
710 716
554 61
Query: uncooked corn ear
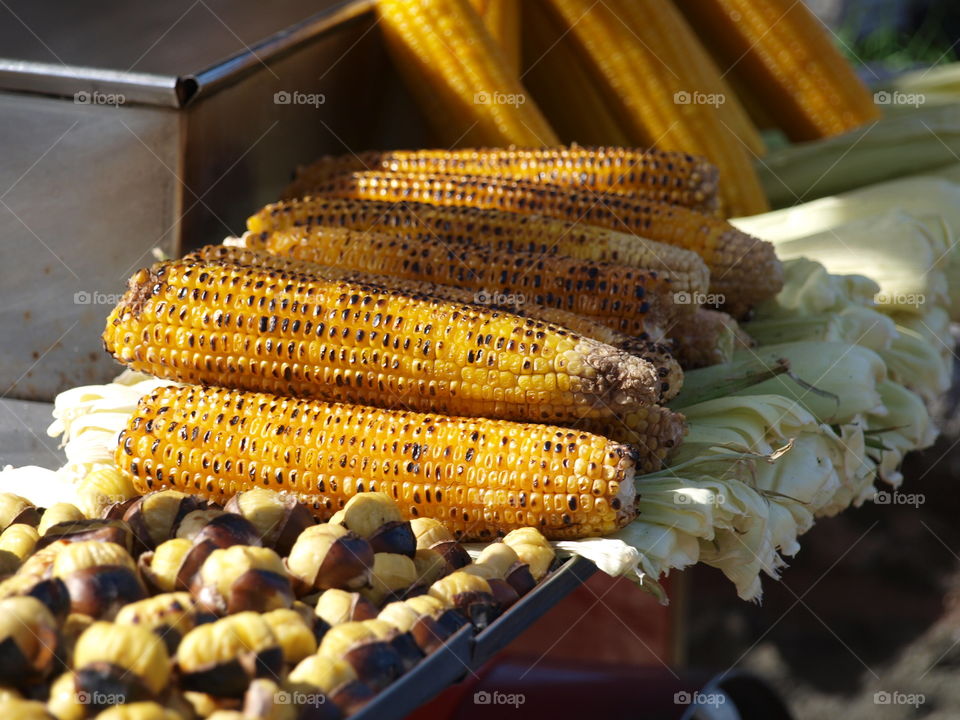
480 477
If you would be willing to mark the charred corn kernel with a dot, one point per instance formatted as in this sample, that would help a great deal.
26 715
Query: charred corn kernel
102 488
478 476
135 650
20 540
532 548
654 432
500 557
174 611
461 79
90 554
501 18
223 567
392 573
781 54
623 297
664 31
139 711
296 639
323 672
743 269
448 589
225 640
58 513
671 177
340 638
659 354
16 509
364 514
644 96
165 563
304 335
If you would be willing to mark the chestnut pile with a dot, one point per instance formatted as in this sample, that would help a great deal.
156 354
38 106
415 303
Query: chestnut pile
169 607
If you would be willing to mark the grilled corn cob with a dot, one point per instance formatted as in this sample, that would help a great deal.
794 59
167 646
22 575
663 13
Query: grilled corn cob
670 177
656 105
654 431
480 477
743 269
302 334
624 298
461 79
488 227
549 54
780 51
658 353
501 18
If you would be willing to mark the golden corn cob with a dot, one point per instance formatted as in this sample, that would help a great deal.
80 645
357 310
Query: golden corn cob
623 297
486 227
743 270
709 337
547 55
303 334
501 18
462 80
653 431
670 177
649 102
479 477
781 52
665 32
658 353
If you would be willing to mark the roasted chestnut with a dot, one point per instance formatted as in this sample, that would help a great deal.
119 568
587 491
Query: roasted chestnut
99 529
18 709
15 509
335 678
337 606
425 618
162 568
221 658
376 662
170 616
430 566
63 702
329 556
20 540
533 549
278 517
139 711
242 578
101 577
58 513
295 636
391 575
114 661
71 629
28 641
104 489
155 516
432 534
403 642
265 699
375 517
470 594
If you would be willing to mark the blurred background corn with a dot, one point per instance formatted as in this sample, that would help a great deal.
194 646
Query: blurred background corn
501 18
480 477
469 93
743 269
671 177
785 57
303 334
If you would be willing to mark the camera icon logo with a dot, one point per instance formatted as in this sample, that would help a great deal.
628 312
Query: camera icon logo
82 298
682 698
481 697
281 97
882 97
681 97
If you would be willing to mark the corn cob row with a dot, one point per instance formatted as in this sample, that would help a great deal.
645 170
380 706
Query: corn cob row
547 55
459 76
303 334
501 18
655 351
670 177
480 477
779 51
650 350
625 298
649 99
743 269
